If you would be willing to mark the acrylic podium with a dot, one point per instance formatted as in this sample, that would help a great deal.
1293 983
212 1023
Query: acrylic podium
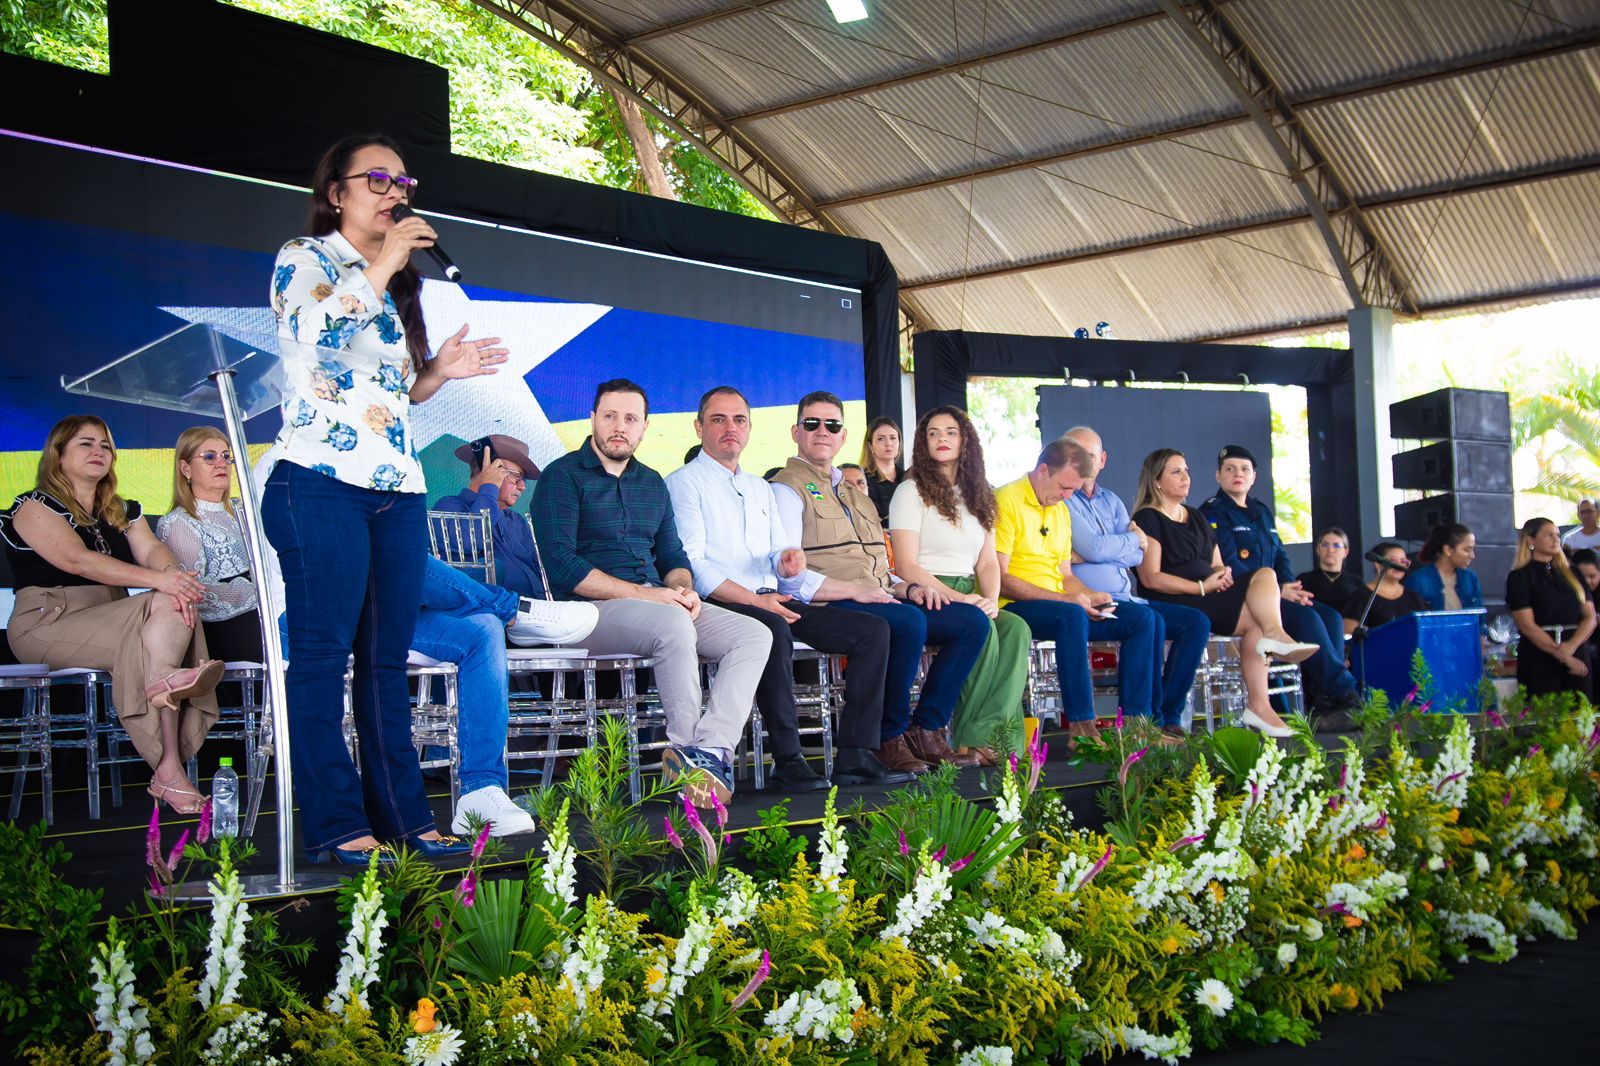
1450 645
234 377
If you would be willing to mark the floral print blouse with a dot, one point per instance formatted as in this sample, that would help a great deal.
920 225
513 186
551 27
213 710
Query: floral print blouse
347 416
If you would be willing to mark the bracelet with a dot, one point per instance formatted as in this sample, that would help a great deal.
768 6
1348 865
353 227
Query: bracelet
910 588
1202 585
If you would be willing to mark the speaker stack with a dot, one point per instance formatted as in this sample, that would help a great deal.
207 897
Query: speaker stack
1463 463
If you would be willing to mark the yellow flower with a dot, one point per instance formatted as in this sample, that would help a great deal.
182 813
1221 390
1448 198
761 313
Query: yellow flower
1552 801
1170 946
1453 815
1342 996
422 1018
1216 891
1427 906
1356 853
1467 838
1555 871
1351 921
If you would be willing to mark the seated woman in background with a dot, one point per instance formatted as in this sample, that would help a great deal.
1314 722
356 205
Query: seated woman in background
1182 564
941 526
202 532
76 548
1443 576
880 459
1586 564
1329 581
1541 591
1389 597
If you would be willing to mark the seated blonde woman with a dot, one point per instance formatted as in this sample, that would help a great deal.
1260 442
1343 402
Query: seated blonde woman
76 548
202 531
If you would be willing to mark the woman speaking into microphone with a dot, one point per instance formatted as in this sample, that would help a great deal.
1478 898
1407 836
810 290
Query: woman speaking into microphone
345 504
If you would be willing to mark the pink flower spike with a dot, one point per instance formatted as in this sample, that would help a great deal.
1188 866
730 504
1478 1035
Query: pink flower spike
1344 773
1496 719
1120 718
1383 820
177 851
756 981
1013 761
938 856
1440 786
1184 842
689 812
1594 739
1424 708
1505 801
1100 864
152 838
1412 695
962 864
203 834
437 924
1127 764
722 811
155 885
467 890
672 834
483 839
1333 803
905 849
1536 749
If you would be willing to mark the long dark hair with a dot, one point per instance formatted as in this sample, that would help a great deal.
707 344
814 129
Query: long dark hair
406 285
938 493
1440 537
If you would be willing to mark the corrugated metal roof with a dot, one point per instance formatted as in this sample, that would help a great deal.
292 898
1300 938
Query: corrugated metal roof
1193 228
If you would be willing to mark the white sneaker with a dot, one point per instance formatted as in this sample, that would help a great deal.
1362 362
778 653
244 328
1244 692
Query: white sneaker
491 805
552 622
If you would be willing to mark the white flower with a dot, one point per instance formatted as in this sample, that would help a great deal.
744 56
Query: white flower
1009 807
1214 996
1169 1049
224 967
242 1041
1435 863
688 960
929 892
1453 768
820 1013
438 1048
1287 953
834 850
987 1056
1312 928
114 1012
358 967
1481 861
560 873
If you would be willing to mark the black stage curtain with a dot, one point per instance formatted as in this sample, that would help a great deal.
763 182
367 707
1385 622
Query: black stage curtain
217 87
945 359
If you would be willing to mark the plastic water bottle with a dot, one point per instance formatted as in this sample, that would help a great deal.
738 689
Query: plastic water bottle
225 800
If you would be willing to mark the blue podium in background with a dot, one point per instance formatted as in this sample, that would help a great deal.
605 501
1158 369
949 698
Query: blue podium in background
1449 642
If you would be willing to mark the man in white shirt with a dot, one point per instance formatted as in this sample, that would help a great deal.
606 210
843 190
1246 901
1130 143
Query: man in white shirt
737 548
1587 533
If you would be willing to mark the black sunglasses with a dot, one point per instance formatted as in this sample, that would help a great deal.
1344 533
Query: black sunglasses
810 425
380 180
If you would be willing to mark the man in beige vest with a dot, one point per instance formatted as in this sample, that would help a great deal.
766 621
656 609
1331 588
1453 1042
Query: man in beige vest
837 526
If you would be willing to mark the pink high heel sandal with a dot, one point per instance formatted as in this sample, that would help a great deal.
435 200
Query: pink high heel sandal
186 683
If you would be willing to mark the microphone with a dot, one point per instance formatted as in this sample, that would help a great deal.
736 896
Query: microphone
1374 557
451 271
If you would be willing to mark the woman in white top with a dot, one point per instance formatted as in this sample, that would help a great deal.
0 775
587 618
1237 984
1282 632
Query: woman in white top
203 534
344 505
941 526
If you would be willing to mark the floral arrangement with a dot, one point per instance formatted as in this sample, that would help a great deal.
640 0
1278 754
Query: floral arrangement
1239 892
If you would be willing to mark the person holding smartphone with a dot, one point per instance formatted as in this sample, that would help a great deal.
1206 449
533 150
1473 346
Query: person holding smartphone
1033 540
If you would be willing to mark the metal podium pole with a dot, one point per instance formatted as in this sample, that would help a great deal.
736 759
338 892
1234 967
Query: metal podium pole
268 610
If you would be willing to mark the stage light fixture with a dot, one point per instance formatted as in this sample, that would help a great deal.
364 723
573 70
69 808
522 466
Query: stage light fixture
848 10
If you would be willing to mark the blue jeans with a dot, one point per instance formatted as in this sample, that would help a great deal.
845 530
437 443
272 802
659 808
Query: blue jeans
1188 629
352 576
1319 624
959 630
464 622
1068 625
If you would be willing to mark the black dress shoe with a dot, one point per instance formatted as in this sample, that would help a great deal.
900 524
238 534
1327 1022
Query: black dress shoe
794 774
858 766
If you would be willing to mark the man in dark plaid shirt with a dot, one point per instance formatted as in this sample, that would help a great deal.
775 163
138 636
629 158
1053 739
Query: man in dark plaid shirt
605 529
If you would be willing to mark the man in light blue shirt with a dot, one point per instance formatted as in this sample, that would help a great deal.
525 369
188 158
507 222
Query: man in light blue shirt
738 552
1106 545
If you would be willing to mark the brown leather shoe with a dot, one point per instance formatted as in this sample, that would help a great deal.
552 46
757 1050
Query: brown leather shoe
896 755
986 755
932 746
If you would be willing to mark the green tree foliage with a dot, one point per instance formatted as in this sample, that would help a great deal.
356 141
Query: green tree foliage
69 32
1561 423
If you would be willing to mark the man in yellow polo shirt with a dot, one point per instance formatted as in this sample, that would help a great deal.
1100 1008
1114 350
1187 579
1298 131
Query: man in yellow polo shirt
1033 537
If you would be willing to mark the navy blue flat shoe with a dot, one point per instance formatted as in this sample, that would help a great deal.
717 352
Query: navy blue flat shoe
446 847
354 856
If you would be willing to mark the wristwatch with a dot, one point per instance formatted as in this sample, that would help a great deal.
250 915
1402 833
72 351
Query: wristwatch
911 587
